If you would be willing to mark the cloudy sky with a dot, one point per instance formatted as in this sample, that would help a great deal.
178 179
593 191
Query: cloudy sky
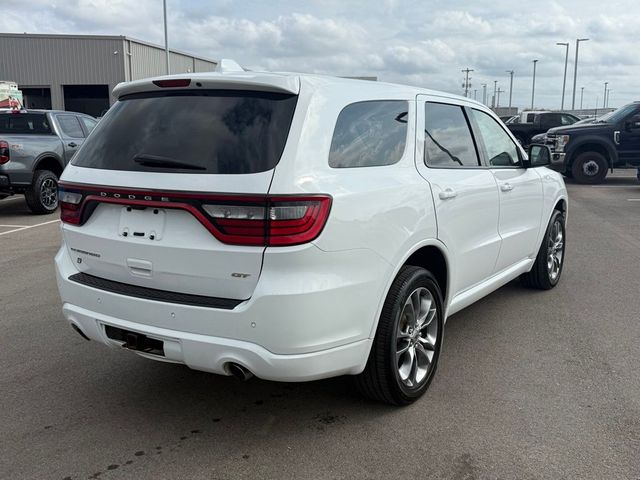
425 43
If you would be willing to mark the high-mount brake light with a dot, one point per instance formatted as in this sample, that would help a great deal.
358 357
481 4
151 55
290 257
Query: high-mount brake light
173 82
252 220
5 154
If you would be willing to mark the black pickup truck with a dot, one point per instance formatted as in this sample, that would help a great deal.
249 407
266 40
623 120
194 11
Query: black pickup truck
541 123
587 152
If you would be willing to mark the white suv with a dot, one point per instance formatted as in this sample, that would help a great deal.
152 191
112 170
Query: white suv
299 227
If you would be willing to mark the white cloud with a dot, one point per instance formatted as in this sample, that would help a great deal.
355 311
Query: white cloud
417 42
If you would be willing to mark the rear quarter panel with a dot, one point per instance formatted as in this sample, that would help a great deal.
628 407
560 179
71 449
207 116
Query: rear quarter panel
26 151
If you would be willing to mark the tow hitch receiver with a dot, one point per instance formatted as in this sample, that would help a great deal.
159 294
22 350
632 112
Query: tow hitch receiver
135 341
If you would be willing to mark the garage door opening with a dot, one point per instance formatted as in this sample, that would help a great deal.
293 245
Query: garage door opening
90 99
33 97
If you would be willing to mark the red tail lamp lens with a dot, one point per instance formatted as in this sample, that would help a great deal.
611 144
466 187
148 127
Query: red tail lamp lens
172 83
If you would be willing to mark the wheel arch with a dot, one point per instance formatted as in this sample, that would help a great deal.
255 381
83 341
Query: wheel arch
431 255
49 161
594 145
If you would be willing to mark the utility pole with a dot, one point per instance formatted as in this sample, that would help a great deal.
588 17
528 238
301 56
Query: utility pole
475 94
581 96
608 94
604 98
564 80
466 85
575 72
510 72
166 36
484 93
498 100
533 87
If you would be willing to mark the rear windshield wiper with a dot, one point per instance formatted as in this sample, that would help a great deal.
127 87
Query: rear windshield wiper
164 162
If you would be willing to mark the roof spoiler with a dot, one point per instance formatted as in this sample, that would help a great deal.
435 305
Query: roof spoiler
229 75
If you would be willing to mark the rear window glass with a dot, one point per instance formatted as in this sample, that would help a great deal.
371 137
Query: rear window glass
204 131
24 123
369 134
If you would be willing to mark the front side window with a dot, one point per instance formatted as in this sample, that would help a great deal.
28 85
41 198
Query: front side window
70 126
89 123
369 134
499 149
447 138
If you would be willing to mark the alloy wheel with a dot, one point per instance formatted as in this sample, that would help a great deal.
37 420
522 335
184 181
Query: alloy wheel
555 251
416 338
49 193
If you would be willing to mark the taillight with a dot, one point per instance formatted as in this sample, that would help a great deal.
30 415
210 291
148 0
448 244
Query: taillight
5 155
257 220
275 221
70 206
173 82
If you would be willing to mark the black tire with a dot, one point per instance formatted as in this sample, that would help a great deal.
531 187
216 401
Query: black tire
42 197
541 277
568 173
381 379
589 168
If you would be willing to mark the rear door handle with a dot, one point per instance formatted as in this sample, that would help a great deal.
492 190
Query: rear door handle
506 187
73 144
448 193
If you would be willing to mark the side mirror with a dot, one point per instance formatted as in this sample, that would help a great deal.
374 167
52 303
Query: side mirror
539 156
633 123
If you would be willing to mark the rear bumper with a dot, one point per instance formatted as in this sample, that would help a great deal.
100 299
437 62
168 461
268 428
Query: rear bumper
213 354
310 316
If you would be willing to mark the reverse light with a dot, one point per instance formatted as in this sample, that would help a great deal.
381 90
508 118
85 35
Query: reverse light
5 155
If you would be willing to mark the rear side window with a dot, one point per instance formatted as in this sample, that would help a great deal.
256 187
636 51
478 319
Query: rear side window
24 123
204 131
447 138
369 134
70 126
89 123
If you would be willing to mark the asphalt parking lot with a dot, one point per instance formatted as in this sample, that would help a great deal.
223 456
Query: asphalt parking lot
530 384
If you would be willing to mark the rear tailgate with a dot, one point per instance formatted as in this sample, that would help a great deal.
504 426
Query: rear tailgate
151 171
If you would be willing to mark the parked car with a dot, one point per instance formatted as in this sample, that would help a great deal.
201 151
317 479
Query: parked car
35 146
587 152
298 227
540 124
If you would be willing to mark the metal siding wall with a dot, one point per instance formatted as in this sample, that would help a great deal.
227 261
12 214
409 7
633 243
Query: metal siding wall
204 66
51 61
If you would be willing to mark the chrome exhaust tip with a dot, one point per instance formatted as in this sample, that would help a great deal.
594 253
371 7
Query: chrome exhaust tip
238 371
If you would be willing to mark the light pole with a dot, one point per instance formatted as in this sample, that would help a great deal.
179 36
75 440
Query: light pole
581 96
495 91
466 84
533 87
575 72
475 94
166 36
564 80
608 95
604 98
498 100
510 72
484 93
